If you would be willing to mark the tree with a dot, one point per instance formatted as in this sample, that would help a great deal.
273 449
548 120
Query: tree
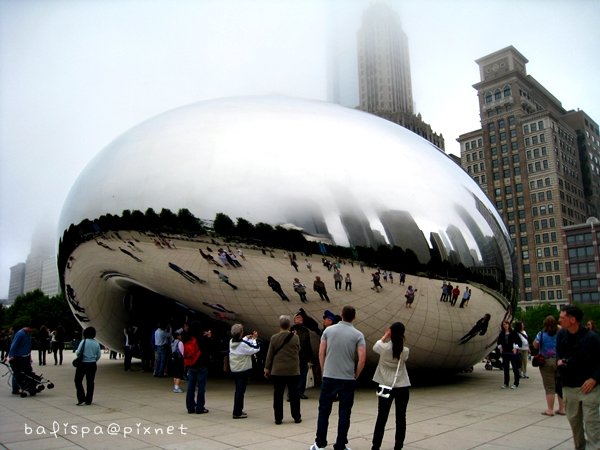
223 225
37 309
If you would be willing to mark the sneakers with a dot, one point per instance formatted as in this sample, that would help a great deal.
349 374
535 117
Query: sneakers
243 415
514 386
177 390
504 386
315 447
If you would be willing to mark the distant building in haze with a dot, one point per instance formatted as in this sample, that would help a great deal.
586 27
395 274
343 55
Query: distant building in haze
385 83
39 270
17 282
528 157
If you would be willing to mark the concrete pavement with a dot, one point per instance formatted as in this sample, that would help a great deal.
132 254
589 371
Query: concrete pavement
134 410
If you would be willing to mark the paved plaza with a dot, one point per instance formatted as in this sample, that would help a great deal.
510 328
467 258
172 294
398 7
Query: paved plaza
470 412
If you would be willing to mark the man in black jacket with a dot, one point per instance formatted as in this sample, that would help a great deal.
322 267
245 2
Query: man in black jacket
578 360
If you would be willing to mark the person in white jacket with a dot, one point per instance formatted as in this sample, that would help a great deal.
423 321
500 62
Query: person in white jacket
241 349
391 373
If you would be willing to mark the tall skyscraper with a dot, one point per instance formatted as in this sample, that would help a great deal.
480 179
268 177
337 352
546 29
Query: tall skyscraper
526 158
385 83
17 282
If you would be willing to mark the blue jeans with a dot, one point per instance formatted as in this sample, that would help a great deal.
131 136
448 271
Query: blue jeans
196 378
330 388
400 396
241 381
161 361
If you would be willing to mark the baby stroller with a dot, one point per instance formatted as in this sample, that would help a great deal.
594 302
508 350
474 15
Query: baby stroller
494 359
29 383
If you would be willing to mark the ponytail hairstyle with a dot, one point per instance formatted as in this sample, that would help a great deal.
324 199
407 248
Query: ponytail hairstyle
397 329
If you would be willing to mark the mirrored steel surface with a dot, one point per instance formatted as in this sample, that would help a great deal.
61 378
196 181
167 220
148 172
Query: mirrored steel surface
342 177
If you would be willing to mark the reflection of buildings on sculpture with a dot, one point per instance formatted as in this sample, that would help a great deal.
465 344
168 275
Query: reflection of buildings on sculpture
539 164
349 215
384 72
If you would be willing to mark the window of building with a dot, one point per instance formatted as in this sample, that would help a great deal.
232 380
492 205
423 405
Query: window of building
507 91
526 129
497 94
488 97
525 254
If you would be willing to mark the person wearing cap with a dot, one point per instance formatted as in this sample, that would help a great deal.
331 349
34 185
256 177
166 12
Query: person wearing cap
329 318
342 355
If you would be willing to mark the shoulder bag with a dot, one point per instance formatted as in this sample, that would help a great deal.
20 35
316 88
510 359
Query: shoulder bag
385 391
77 361
539 360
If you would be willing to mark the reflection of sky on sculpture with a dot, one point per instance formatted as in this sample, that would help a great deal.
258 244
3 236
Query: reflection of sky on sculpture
232 156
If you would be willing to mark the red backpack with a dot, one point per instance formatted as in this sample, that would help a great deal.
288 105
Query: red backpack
191 352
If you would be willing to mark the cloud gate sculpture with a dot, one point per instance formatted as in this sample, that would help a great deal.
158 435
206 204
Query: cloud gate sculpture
202 204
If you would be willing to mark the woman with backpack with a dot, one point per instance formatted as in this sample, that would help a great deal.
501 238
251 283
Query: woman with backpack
177 361
195 361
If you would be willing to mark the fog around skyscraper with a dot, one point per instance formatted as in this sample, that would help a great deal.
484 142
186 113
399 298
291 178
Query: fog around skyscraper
76 75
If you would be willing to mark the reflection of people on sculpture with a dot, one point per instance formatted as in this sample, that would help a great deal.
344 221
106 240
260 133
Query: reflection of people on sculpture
319 288
183 273
218 307
225 279
209 258
479 328
128 253
195 277
276 286
300 290
375 278
410 296
102 244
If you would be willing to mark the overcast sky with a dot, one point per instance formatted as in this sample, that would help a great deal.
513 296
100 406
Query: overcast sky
75 74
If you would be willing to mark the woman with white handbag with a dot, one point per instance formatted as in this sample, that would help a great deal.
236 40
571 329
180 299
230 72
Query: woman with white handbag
392 377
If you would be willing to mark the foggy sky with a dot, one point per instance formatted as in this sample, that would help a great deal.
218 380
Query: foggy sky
74 75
